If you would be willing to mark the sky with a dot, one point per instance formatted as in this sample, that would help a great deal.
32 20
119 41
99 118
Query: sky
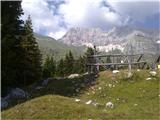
55 17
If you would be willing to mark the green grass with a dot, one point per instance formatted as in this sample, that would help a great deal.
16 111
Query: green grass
133 98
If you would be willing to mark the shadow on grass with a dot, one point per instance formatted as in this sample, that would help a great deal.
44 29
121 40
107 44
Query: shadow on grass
64 87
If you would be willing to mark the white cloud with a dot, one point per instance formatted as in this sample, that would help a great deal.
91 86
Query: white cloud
136 9
43 18
54 21
84 12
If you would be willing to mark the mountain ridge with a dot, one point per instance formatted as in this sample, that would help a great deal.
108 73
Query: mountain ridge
115 38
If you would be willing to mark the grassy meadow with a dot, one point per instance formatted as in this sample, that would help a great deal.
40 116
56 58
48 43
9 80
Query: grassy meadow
133 98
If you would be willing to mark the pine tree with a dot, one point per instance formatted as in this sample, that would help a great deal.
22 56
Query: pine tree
46 71
88 54
53 66
60 71
12 52
87 57
79 65
32 62
69 63
49 67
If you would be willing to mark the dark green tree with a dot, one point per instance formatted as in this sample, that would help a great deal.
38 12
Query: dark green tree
69 63
88 57
79 65
88 54
11 37
60 71
49 67
32 63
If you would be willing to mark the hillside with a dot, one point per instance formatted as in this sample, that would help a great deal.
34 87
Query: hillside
50 46
86 98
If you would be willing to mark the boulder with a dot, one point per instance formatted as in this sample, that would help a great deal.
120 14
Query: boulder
110 85
86 73
135 104
99 88
45 82
153 73
149 78
138 70
17 93
39 87
117 99
115 71
77 100
109 105
89 102
73 76
77 90
4 103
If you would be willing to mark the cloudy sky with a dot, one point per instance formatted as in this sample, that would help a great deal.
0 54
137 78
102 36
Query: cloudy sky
54 17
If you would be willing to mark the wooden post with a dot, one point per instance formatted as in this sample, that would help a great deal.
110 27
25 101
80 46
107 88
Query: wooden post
129 67
91 69
97 68
96 59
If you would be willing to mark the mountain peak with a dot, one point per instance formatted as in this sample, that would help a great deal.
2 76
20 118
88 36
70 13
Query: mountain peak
114 38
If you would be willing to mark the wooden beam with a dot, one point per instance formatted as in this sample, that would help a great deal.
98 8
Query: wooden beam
140 58
157 59
114 55
106 64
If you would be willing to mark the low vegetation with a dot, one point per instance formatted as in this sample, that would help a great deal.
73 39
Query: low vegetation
133 98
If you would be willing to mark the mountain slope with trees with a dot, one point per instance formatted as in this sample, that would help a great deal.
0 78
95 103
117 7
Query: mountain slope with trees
52 47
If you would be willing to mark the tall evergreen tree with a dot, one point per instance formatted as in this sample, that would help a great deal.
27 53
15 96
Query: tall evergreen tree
69 63
49 67
60 71
11 51
89 53
32 63
79 65
87 56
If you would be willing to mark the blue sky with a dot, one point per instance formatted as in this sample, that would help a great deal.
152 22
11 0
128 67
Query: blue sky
54 17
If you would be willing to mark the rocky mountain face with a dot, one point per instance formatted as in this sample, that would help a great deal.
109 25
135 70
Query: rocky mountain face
122 38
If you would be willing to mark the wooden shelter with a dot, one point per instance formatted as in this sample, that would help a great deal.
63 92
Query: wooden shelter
116 61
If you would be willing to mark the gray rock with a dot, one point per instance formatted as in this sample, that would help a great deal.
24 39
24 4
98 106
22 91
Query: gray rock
73 76
39 87
4 103
17 93
86 73
109 105
45 82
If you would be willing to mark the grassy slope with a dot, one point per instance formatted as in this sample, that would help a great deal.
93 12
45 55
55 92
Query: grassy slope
125 95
